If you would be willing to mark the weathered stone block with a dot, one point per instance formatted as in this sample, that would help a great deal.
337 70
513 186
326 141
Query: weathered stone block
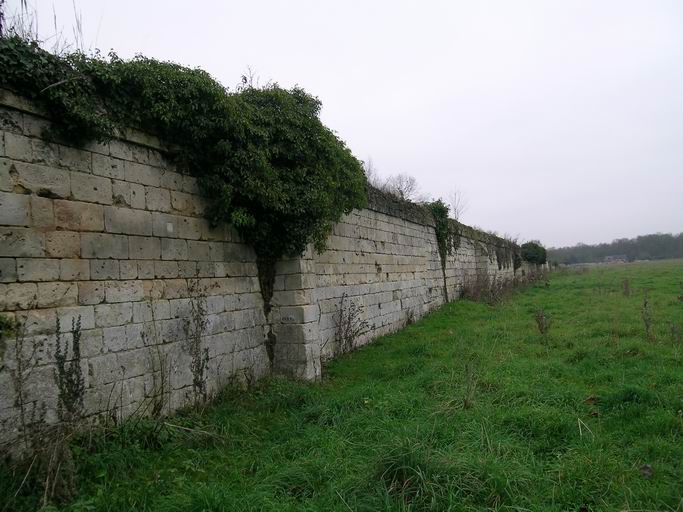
104 245
128 269
6 181
8 270
128 194
127 221
14 209
77 216
90 188
21 242
114 338
91 292
143 174
38 321
18 147
75 159
190 228
171 180
165 269
107 166
144 248
18 296
110 315
104 269
157 199
124 291
74 270
63 244
30 269
145 269
198 251
187 269
173 249
42 212
165 225
42 180
53 295
69 316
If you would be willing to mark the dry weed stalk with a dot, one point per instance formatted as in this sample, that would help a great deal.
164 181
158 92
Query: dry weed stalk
349 325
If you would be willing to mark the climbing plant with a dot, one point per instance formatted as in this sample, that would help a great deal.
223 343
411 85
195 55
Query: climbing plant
533 252
262 156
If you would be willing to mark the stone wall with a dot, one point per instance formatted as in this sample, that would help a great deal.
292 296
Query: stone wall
114 234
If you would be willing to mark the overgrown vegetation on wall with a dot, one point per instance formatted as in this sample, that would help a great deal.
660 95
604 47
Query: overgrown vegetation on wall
263 157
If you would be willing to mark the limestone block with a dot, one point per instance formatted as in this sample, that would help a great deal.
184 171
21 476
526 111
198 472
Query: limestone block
77 216
31 269
14 209
11 121
137 335
165 269
128 194
69 316
75 159
42 180
74 270
63 244
91 188
203 269
151 310
107 166
128 269
134 363
104 269
91 343
8 270
140 154
38 321
110 315
165 225
6 181
171 180
175 288
199 251
124 291
104 245
114 338
157 199
91 292
18 296
188 269
180 308
18 147
52 295
190 228
143 174
42 212
145 269
173 249
104 369
120 149
144 248
128 221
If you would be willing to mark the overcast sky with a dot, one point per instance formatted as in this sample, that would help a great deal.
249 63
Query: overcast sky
558 120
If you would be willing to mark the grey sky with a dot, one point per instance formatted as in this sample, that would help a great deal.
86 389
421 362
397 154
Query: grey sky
559 120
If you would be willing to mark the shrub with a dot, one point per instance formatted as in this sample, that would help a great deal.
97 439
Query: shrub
262 156
534 252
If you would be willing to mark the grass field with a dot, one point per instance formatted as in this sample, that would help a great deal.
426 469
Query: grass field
470 408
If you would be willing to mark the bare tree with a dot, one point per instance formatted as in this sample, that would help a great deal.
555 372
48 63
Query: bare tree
372 175
403 186
458 203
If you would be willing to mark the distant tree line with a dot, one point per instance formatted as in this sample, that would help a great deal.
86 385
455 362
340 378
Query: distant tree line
647 247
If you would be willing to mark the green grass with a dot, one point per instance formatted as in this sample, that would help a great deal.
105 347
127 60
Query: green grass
561 422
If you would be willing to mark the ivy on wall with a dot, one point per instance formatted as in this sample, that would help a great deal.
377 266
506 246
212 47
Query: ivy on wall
262 156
